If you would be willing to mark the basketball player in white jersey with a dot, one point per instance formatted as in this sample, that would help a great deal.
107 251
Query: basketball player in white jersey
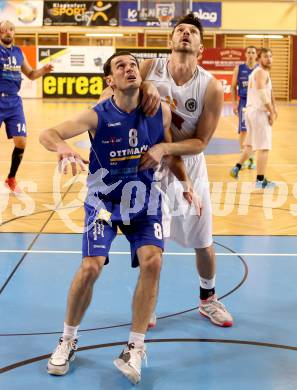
196 100
260 115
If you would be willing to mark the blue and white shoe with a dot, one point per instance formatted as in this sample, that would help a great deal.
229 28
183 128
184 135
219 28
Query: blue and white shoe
234 172
263 184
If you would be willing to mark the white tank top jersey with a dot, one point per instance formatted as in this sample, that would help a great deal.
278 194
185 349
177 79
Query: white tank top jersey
186 101
253 99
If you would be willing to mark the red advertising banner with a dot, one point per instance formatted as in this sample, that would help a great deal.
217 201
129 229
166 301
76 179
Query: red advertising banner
226 80
222 59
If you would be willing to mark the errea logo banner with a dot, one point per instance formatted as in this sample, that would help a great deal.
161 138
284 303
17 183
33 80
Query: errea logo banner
210 14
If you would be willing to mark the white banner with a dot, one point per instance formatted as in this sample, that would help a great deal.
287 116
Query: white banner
75 59
22 12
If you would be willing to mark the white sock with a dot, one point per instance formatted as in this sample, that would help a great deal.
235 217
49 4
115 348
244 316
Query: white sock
208 283
70 332
137 339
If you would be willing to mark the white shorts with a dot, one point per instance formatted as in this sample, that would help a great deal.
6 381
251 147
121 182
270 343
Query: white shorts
259 131
180 221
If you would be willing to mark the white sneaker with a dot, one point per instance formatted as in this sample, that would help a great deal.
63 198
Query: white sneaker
215 311
129 362
153 321
58 363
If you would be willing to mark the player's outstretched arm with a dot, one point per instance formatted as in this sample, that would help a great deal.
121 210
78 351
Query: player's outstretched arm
34 74
53 139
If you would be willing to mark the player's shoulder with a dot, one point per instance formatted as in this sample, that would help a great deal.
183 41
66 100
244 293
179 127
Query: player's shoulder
17 49
103 106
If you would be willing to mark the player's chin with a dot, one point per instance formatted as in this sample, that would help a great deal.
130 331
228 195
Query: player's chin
133 84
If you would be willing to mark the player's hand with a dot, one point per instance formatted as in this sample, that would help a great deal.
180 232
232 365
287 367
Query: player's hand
68 156
193 198
151 99
275 114
235 109
152 158
48 68
270 118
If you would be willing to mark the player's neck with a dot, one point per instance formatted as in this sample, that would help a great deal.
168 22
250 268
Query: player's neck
182 67
250 65
127 101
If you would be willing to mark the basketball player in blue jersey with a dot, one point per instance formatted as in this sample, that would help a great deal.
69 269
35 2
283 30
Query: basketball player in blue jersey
12 64
120 134
239 89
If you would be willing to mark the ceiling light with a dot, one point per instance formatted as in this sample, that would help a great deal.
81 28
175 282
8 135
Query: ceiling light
104 35
264 36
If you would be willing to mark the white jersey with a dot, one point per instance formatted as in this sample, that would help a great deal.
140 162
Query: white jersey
253 99
186 101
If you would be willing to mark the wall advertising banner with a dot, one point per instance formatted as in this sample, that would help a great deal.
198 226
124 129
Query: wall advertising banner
222 59
209 13
144 54
22 12
74 85
80 13
78 70
75 59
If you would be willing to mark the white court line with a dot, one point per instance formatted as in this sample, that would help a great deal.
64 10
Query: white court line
165 253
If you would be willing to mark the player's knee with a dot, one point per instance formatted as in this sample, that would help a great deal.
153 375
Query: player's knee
91 268
151 266
20 142
206 253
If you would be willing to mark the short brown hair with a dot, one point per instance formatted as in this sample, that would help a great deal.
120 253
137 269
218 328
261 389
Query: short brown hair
107 65
263 50
250 47
190 19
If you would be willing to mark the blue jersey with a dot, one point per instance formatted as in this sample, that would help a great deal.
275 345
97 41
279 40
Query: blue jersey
243 79
120 141
11 60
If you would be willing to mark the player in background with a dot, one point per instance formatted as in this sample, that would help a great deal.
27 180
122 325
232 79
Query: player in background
13 63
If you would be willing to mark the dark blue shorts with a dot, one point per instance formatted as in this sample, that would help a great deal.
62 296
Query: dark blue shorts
241 123
12 114
98 233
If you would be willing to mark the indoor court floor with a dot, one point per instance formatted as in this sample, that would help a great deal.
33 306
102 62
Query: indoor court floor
255 242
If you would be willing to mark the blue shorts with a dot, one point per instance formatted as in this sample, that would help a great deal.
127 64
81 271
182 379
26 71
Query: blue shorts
98 234
12 114
241 123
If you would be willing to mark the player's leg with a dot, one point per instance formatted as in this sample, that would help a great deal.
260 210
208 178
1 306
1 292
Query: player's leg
16 129
247 151
97 239
201 237
209 306
79 298
262 143
147 244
